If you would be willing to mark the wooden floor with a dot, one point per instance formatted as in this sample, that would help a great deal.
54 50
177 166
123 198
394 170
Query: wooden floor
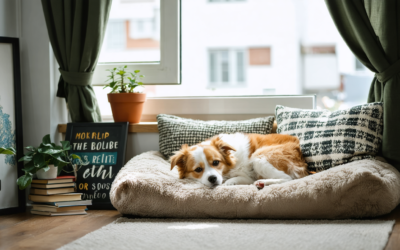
27 231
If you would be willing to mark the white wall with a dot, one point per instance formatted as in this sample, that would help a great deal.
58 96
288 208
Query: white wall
9 18
8 27
138 143
42 111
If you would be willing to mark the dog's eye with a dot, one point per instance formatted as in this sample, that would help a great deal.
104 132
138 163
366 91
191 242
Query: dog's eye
198 170
215 163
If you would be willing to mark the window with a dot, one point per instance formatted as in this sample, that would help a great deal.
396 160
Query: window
145 35
115 38
226 68
260 56
238 48
359 65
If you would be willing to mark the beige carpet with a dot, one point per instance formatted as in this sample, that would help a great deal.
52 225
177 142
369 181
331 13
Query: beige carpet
159 234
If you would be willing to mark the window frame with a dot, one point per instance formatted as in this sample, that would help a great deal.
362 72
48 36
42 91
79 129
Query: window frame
168 70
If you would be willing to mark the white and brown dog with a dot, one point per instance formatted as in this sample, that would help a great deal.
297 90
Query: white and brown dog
242 159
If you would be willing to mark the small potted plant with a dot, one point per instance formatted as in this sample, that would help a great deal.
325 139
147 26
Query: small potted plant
46 161
126 97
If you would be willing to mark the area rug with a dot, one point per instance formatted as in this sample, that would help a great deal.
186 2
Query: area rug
159 234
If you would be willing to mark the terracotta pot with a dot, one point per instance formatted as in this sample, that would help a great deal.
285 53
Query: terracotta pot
127 107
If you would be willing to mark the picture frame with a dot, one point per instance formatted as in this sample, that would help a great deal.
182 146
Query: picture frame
12 200
102 147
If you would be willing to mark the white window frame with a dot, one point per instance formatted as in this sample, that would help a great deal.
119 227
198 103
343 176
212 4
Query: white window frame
165 72
168 72
223 107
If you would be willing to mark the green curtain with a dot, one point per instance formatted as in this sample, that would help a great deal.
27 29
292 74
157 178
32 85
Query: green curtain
371 29
76 30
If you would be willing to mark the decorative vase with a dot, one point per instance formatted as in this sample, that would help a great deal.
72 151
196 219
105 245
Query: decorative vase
127 107
49 174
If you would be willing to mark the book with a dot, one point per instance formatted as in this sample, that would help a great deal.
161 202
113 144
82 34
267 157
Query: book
66 203
73 212
59 179
55 197
52 191
47 208
47 186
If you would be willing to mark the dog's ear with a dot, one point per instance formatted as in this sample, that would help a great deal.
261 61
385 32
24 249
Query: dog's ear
180 157
222 146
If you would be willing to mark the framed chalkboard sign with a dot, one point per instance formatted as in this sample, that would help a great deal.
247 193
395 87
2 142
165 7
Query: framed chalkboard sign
102 147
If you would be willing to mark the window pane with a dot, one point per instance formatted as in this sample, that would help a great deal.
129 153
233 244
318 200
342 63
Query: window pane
133 32
240 66
224 57
276 47
213 65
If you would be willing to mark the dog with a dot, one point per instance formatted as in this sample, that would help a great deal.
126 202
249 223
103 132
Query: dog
242 159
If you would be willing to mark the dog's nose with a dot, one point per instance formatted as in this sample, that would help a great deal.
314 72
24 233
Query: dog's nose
212 179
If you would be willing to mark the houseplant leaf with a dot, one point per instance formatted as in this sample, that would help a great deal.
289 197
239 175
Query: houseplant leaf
7 151
59 159
45 169
46 140
51 151
24 181
30 148
26 158
74 156
65 145
29 167
39 161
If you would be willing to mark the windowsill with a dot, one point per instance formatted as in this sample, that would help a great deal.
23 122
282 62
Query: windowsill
143 127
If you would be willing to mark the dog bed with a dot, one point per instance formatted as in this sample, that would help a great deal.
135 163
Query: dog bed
146 187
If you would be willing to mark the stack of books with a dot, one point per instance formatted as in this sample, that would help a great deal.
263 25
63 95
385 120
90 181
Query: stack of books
55 197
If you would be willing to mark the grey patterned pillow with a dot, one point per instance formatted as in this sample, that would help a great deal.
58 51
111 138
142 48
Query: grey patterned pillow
176 131
328 139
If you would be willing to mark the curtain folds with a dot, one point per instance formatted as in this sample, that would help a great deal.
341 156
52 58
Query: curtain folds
76 30
371 29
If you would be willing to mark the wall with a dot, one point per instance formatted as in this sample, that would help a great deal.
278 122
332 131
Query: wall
9 27
42 111
9 18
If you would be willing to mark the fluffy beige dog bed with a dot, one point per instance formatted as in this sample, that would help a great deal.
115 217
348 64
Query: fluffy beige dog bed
147 187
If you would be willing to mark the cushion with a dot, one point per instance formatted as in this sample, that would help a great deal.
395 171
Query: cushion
176 131
329 139
145 186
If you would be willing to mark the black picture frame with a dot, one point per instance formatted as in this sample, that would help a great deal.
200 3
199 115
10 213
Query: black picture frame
16 72
117 131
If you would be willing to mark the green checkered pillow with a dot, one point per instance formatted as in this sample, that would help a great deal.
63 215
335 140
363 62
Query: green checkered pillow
328 139
175 131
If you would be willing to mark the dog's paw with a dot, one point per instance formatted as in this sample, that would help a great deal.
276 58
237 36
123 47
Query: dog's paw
262 183
229 183
259 184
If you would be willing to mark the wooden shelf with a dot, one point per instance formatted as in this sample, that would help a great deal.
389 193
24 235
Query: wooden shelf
143 127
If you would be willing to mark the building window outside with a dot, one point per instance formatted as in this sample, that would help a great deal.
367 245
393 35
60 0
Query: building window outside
359 65
116 35
227 68
260 56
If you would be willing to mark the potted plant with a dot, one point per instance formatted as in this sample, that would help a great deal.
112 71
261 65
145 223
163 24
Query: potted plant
126 97
46 161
